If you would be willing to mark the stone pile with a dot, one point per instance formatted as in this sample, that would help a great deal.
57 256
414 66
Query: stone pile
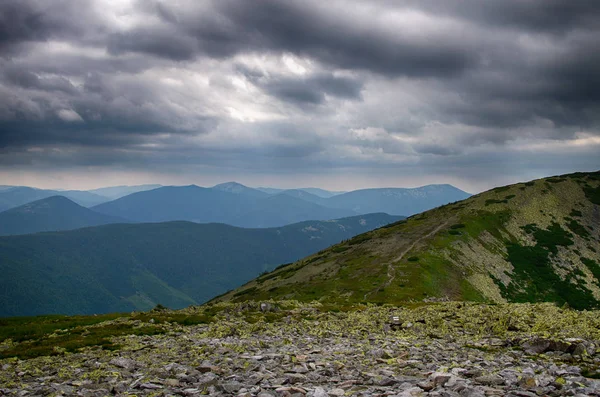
313 356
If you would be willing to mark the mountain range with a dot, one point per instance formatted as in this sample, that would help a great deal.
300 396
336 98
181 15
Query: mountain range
528 242
115 192
242 206
125 267
14 196
231 203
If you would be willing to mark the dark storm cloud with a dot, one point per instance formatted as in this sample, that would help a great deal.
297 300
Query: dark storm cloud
374 82
165 42
547 16
224 28
311 89
28 79
25 21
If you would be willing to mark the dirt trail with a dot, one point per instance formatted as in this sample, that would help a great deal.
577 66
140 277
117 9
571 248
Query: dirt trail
391 274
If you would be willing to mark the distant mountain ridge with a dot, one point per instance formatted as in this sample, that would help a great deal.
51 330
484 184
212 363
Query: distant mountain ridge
127 267
238 188
115 192
238 205
311 190
405 201
51 214
12 197
201 205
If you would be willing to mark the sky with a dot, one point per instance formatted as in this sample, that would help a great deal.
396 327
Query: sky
338 94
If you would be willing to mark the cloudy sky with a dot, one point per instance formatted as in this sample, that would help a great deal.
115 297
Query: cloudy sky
334 94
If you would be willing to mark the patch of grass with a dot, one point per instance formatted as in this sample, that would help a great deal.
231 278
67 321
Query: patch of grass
533 263
551 238
361 238
458 226
245 291
529 183
340 249
390 225
495 201
592 194
577 228
592 373
593 266
74 339
29 328
413 259
501 189
575 212
52 335
555 180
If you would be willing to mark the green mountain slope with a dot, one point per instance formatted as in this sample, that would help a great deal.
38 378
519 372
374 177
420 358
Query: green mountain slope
136 266
51 214
534 241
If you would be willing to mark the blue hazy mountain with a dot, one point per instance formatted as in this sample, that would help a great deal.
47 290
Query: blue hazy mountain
11 197
397 201
245 207
312 190
51 214
238 188
115 192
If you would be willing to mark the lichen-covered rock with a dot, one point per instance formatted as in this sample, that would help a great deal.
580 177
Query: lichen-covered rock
306 350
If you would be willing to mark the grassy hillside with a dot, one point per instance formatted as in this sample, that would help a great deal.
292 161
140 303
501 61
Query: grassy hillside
534 241
134 267
51 214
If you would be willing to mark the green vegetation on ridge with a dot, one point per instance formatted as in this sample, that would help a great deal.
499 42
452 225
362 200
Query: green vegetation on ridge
523 242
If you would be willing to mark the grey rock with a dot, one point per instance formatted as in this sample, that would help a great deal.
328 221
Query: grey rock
440 379
231 387
149 386
296 378
385 381
207 380
523 393
580 350
123 362
536 346
490 380
320 392
426 385
472 392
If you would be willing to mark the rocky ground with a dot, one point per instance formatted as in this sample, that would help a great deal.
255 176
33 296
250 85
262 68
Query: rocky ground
292 349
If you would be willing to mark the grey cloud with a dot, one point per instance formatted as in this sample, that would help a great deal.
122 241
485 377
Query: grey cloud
160 41
28 79
436 149
38 20
310 89
226 27
488 73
